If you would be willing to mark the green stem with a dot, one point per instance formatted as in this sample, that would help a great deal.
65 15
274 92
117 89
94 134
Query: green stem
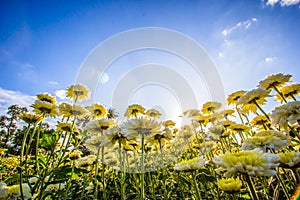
21 158
198 195
122 182
267 116
142 169
283 185
280 94
296 175
240 116
96 173
251 187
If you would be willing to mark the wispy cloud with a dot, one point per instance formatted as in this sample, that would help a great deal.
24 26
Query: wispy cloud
240 25
270 59
52 83
10 97
282 2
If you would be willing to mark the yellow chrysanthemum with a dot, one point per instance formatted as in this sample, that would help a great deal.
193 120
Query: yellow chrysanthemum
65 109
240 128
142 127
114 135
261 122
97 111
153 113
289 159
99 125
74 155
253 163
66 127
45 108
134 110
230 185
192 113
94 142
267 139
30 118
46 97
288 92
186 132
169 123
211 107
190 165
77 92
78 111
226 113
289 112
249 100
233 98
275 80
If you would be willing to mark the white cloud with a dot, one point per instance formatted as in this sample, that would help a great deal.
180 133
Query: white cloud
52 82
221 54
240 25
61 94
270 59
282 2
10 97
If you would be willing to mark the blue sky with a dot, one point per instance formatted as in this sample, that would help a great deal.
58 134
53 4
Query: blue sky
44 43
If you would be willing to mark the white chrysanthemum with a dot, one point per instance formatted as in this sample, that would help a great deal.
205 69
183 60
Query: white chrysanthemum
253 163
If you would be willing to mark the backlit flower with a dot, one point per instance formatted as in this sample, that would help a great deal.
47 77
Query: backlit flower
240 128
46 97
77 92
211 107
97 111
288 91
230 185
261 122
249 100
253 163
275 80
233 98
134 110
169 123
289 112
192 113
290 159
141 127
153 113
99 125
78 111
45 108
30 118
65 127
190 165
267 139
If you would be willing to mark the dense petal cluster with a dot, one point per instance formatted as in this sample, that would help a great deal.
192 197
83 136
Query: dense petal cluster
134 110
289 112
190 165
290 159
267 140
274 80
253 163
78 92
249 100
141 128
230 185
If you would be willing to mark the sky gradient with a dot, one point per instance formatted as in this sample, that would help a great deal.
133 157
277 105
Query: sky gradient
44 43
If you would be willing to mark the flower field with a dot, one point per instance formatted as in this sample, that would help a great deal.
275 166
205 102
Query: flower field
232 151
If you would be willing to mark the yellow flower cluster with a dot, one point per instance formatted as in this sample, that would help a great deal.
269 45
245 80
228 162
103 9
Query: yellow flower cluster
253 163
290 159
230 185
190 165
